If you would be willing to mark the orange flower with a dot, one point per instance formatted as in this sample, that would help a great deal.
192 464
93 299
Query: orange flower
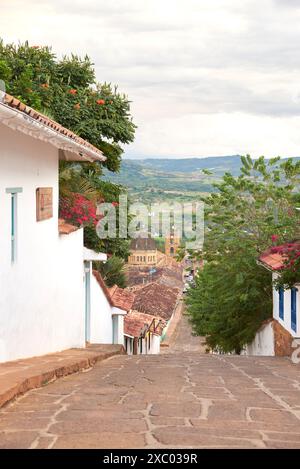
100 102
73 91
77 106
45 85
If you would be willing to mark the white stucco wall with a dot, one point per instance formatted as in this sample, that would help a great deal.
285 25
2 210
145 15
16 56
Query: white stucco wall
286 322
118 325
263 343
129 348
42 293
155 346
101 316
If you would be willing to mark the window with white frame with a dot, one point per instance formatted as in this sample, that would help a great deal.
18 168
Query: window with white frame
281 303
14 220
294 309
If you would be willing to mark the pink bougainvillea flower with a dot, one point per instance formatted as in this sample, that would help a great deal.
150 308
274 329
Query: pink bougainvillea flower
78 210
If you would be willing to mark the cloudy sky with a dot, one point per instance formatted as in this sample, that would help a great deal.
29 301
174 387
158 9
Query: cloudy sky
206 77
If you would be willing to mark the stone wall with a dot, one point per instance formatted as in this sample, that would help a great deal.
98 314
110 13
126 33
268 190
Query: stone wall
282 340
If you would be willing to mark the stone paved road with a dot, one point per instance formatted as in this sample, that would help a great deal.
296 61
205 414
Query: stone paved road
182 398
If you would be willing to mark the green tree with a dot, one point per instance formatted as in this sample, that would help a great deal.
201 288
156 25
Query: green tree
233 293
113 271
66 90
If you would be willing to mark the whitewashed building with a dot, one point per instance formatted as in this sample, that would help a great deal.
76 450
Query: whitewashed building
44 270
142 333
277 335
108 307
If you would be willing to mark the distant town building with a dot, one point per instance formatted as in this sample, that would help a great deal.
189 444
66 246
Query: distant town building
142 333
172 243
143 252
157 300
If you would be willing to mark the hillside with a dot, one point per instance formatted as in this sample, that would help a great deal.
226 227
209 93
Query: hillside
218 164
156 179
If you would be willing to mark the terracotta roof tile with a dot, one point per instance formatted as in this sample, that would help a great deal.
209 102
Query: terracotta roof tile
156 299
275 260
16 104
117 297
121 298
65 228
143 244
137 324
168 275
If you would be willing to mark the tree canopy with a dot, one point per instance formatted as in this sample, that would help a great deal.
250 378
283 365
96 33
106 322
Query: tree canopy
66 90
233 294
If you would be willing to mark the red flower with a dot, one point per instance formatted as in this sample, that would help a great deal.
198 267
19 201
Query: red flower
73 91
115 204
274 238
79 210
100 102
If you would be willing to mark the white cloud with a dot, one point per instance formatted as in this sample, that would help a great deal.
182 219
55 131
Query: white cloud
205 78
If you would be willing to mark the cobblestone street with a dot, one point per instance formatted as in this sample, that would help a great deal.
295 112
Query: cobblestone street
180 399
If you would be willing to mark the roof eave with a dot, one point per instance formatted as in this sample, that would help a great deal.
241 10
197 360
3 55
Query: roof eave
18 120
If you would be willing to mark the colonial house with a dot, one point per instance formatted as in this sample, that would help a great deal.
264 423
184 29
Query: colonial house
46 304
142 333
276 336
143 252
167 271
157 300
108 307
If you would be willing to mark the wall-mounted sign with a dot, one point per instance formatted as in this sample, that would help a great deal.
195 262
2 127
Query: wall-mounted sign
44 203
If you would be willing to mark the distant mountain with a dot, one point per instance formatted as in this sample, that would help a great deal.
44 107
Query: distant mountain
153 179
218 164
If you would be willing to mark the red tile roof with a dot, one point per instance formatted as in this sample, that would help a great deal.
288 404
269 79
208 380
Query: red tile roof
143 244
137 324
170 276
156 299
65 228
116 296
17 105
121 298
274 257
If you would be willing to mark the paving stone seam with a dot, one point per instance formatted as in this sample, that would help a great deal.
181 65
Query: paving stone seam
52 419
265 389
